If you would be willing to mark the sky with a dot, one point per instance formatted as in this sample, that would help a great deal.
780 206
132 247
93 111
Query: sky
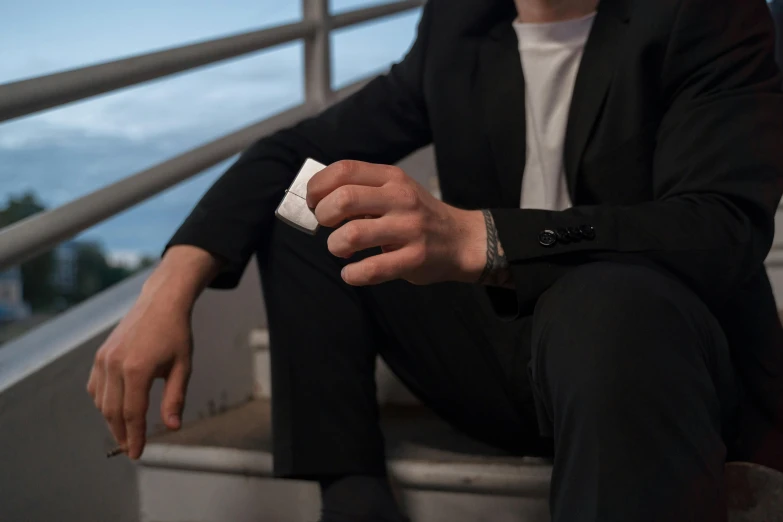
70 151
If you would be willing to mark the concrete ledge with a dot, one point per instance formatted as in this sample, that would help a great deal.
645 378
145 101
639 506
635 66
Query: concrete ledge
491 478
755 493
424 453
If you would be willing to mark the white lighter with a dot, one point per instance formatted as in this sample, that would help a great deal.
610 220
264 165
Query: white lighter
293 210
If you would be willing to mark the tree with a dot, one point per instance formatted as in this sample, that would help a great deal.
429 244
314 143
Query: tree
90 270
37 272
93 272
145 262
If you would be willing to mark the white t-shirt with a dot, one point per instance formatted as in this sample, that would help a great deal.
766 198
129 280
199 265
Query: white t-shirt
551 54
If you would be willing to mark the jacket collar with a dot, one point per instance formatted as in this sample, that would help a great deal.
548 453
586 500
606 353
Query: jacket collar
500 85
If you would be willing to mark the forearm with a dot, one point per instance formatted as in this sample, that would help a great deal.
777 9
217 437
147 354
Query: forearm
183 273
710 242
382 123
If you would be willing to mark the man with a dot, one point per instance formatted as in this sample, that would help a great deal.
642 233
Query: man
591 284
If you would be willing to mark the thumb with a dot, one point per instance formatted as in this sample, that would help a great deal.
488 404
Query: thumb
174 395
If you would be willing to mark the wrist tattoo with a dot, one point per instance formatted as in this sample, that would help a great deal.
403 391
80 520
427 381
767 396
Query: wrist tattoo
496 271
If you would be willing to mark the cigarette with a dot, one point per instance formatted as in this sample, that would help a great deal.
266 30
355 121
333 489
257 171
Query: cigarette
116 451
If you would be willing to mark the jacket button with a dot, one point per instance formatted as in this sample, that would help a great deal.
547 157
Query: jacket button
547 238
564 236
575 234
587 231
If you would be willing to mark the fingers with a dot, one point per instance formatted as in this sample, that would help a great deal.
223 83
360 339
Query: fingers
384 267
174 394
112 402
349 173
353 201
362 234
137 383
149 346
95 383
120 389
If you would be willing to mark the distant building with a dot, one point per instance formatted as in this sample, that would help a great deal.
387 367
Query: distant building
12 305
64 271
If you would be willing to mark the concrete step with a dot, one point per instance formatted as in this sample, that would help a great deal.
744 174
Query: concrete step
755 493
220 469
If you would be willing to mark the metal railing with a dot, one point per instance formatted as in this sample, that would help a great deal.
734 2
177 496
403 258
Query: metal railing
43 231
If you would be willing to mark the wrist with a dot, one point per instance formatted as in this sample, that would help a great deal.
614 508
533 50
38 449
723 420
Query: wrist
471 252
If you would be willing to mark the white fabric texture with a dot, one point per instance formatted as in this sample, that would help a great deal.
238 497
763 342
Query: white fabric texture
550 55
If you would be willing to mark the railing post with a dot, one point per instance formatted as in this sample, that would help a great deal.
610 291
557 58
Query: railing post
318 54
777 13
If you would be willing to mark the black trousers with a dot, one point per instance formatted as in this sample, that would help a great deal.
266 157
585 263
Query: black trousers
621 370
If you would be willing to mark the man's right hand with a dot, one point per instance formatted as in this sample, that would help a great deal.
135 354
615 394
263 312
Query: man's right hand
152 341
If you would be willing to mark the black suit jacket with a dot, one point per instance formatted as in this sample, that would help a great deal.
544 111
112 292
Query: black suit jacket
673 155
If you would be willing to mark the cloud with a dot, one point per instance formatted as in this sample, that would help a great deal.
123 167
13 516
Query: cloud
224 97
45 36
215 99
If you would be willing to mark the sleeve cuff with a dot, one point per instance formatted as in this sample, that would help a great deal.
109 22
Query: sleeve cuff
536 243
213 239
530 235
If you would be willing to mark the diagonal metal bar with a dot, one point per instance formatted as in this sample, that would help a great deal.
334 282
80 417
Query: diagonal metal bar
36 94
38 233
43 231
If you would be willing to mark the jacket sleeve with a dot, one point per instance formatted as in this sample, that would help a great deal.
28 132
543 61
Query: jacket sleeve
717 172
382 123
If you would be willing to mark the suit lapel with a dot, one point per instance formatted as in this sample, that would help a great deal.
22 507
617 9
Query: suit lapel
501 92
500 89
600 56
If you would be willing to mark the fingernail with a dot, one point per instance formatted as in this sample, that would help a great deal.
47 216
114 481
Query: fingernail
173 419
342 272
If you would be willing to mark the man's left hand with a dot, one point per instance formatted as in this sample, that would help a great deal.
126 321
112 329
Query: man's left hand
422 239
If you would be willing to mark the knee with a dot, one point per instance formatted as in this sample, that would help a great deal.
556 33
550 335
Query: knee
606 331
